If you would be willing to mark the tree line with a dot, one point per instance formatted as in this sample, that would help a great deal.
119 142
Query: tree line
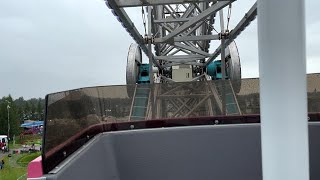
18 111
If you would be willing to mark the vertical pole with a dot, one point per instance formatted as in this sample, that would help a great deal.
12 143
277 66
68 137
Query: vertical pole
223 56
8 120
223 63
8 109
150 63
283 96
149 44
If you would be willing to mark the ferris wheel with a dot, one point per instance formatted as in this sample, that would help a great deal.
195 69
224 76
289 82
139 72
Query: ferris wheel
176 39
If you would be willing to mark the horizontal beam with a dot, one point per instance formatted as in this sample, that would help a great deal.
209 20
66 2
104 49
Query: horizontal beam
182 96
190 38
199 77
134 3
178 58
192 49
167 79
185 63
171 20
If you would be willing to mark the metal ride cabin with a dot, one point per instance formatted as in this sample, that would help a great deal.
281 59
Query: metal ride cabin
165 123
176 40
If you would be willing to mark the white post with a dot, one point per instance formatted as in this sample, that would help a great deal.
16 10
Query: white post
283 96
8 110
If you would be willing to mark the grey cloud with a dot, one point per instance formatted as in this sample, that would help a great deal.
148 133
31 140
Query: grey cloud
49 46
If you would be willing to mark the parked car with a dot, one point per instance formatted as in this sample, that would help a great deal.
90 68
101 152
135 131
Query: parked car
4 143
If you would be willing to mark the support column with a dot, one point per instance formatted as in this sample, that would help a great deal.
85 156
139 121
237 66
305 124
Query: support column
223 64
223 51
151 105
149 44
283 96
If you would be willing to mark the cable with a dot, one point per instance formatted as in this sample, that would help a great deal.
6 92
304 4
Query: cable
209 24
229 16
144 20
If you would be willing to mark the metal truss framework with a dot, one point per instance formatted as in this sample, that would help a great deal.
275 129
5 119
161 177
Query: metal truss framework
181 30
185 100
192 99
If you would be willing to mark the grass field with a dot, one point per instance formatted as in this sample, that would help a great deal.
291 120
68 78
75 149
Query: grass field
29 139
24 160
16 166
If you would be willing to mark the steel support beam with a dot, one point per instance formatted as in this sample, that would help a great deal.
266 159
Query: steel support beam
171 20
189 48
186 63
167 79
195 27
133 3
151 58
245 21
175 52
190 38
167 50
213 9
199 77
181 96
197 105
129 25
180 57
184 104
223 54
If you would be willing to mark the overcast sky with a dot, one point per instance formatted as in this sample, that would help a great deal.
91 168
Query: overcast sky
50 46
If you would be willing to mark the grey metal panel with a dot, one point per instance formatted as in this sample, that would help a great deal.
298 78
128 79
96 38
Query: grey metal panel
223 152
314 150
93 161
204 153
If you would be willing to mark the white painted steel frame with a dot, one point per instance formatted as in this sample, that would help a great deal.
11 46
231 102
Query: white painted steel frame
134 3
283 90
178 27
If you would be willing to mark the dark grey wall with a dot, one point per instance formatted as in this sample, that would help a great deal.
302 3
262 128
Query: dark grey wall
220 152
91 162
314 150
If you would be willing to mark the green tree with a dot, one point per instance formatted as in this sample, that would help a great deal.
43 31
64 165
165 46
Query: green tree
19 102
27 108
3 117
40 109
33 111
20 109
7 104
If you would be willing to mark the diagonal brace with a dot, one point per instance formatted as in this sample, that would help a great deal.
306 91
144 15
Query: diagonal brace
211 10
